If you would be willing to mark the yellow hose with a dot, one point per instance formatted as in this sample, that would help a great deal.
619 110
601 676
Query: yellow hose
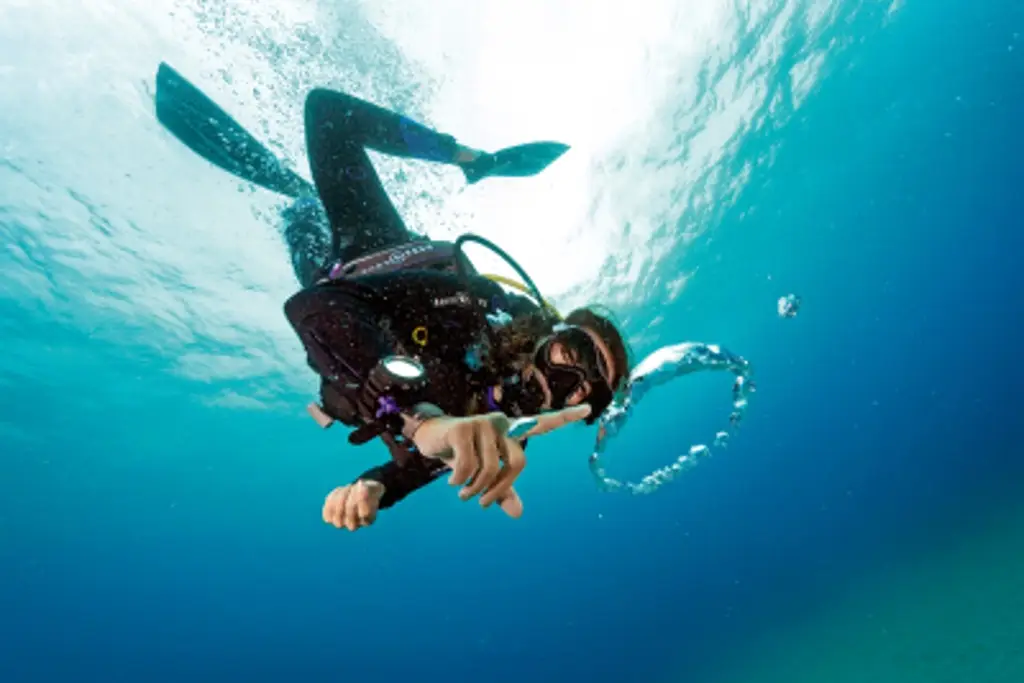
514 284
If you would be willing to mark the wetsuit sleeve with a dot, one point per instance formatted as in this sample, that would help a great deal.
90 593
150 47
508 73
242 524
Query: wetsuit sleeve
343 333
399 482
345 338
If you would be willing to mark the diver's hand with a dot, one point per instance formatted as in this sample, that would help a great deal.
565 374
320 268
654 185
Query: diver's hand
353 506
485 452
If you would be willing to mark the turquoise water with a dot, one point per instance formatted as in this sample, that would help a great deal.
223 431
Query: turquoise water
161 484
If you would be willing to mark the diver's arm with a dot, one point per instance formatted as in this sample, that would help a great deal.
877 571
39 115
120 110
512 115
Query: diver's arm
343 334
400 481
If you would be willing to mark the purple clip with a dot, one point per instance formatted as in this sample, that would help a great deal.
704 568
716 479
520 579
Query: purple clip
335 272
386 406
492 405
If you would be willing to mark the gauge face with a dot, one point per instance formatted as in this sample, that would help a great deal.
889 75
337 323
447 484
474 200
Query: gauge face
403 368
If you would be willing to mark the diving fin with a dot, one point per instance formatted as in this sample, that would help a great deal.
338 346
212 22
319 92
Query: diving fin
514 162
210 132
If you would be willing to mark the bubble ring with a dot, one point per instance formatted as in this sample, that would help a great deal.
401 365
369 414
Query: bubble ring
663 365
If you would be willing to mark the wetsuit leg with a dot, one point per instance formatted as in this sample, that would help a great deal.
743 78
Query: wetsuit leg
339 130
308 238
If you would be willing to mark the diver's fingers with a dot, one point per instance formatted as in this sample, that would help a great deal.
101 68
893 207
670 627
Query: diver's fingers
515 462
365 508
334 506
488 443
464 462
512 504
548 422
351 520
375 491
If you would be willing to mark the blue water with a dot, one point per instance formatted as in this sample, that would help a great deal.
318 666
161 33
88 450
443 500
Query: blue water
147 534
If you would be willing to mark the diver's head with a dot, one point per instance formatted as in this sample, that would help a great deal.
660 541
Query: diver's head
582 359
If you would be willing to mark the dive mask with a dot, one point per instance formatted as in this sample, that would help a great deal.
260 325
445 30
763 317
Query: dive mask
588 369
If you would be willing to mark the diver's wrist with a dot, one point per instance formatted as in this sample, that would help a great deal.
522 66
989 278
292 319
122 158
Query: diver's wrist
370 482
413 419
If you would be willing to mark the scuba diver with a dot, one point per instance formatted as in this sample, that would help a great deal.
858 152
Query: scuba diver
412 345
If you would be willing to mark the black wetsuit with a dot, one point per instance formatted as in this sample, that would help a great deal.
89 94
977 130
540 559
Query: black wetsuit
354 216
348 321
348 325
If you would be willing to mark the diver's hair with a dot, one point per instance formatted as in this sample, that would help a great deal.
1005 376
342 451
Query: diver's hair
513 345
602 322
512 348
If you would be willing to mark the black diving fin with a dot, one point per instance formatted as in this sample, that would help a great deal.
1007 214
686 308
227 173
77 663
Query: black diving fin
514 162
210 132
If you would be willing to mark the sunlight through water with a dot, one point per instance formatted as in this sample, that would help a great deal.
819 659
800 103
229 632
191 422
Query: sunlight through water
110 227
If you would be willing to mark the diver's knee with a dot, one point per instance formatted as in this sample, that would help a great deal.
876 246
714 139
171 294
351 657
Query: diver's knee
320 100
316 97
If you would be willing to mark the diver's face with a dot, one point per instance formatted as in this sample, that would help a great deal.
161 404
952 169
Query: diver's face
585 352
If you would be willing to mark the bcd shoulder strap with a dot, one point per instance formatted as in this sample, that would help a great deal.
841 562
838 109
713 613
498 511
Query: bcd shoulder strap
420 254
